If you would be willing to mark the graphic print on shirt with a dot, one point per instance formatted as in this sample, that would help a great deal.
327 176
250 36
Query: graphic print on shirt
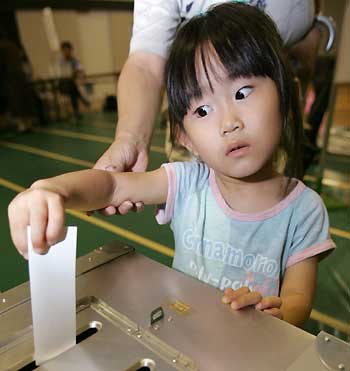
258 3
223 265
189 6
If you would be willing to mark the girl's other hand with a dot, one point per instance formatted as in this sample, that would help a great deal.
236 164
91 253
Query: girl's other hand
43 210
271 305
243 297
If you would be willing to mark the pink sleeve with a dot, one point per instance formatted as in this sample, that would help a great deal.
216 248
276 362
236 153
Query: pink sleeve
310 251
165 212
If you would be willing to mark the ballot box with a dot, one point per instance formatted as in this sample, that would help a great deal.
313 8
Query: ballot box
136 314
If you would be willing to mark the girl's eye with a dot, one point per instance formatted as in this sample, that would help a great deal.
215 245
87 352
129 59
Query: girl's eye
243 92
202 111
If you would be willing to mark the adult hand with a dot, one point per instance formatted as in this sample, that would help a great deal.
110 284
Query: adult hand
243 297
126 153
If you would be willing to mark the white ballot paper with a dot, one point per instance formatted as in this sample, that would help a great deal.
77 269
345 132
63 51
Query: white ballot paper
52 289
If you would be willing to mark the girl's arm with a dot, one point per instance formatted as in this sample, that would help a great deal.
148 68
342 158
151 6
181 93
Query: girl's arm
42 206
295 301
95 189
297 291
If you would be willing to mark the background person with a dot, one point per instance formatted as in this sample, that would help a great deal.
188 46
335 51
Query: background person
71 71
17 96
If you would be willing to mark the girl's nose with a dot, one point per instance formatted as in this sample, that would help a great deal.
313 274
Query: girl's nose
231 125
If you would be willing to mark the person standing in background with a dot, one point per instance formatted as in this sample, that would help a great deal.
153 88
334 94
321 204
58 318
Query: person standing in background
70 71
17 98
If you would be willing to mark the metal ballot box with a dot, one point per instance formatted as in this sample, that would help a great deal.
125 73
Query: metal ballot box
136 314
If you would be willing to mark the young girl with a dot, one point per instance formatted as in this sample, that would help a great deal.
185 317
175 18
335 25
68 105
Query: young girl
239 223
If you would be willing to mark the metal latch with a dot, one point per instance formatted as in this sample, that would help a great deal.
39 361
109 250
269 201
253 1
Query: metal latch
156 315
333 352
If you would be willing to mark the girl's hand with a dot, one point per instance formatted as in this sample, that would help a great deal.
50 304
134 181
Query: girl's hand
243 297
43 210
271 305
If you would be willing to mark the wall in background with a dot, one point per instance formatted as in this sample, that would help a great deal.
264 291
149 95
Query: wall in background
34 40
121 29
342 74
100 38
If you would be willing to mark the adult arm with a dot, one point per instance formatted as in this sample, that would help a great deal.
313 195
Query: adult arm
140 84
304 52
139 95
303 55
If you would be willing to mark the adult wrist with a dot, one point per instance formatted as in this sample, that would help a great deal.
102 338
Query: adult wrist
137 138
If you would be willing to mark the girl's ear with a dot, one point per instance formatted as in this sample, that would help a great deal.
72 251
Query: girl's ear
185 141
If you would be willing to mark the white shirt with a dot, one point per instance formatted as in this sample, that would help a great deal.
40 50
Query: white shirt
156 21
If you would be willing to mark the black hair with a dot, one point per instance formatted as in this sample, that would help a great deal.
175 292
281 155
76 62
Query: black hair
66 44
246 42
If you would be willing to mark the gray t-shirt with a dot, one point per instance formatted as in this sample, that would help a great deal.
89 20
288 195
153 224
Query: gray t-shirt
156 21
226 248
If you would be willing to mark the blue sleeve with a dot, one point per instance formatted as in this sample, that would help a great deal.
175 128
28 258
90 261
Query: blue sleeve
311 229
184 178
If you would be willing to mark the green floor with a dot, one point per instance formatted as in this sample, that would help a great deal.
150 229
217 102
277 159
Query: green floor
21 164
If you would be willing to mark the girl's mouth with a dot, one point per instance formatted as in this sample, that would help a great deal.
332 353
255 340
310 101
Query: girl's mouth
238 150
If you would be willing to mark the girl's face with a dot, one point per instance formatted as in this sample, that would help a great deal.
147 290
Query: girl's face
236 127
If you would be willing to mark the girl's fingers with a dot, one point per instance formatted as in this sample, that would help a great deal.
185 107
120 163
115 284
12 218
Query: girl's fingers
108 211
269 302
139 207
244 300
128 206
276 312
19 219
38 218
122 209
55 230
230 295
228 292
243 297
125 207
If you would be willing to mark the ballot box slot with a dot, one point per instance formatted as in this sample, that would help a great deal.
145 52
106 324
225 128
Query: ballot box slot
84 333
144 365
